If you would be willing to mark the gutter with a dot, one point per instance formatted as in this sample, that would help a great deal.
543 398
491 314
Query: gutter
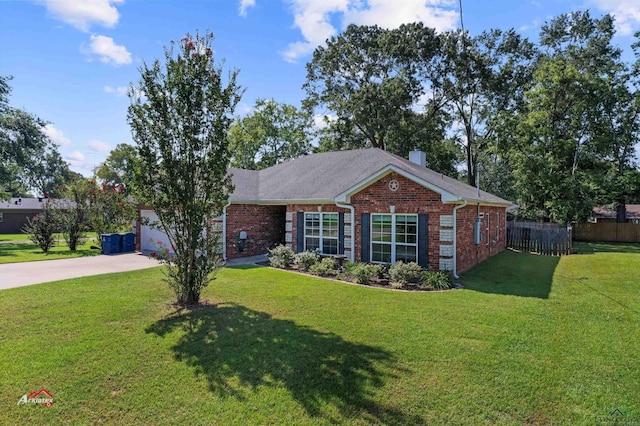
224 231
353 227
455 238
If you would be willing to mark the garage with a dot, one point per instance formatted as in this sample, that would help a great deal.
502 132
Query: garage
149 236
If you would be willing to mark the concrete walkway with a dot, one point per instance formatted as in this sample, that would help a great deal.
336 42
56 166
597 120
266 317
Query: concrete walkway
28 273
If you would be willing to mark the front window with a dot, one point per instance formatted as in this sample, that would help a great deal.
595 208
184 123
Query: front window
321 232
394 237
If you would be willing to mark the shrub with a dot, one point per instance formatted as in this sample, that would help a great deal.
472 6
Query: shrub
305 259
281 257
363 273
405 273
439 280
41 229
396 285
324 267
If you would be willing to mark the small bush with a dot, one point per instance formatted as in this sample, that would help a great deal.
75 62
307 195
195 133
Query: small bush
41 229
306 259
324 267
281 257
363 273
439 280
405 273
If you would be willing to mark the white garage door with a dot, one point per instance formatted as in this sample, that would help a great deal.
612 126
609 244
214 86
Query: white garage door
150 236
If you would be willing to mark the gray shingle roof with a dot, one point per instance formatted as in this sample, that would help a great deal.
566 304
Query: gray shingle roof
324 176
22 204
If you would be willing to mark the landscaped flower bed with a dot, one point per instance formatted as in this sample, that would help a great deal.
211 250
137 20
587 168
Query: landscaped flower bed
400 275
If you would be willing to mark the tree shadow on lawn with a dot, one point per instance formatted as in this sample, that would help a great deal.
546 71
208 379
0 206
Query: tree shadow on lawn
229 343
515 274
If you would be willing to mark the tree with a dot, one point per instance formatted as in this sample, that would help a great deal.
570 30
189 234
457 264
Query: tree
28 158
119 167
180 115
42 227
71 212
273 133
372 80
574 119
481 81
109 209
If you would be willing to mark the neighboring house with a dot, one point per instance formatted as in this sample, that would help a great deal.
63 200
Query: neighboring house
604 214
14 213
367 204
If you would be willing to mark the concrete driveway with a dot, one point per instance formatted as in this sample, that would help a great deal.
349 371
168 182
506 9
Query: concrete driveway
27 273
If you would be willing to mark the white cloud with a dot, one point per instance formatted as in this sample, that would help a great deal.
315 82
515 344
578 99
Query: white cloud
436 14
99 146
108 51
313 18
118 91
75 156
320 120
244 5
83 13
626 12
56 135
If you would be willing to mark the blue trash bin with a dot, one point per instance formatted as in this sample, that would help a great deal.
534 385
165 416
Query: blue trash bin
110 243
127 242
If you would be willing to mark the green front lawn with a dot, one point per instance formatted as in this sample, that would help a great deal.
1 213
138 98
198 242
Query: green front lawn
532 340
23 250
14 238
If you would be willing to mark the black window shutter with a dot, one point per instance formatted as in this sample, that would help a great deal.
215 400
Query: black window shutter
340 233
365 237
423 240
300 232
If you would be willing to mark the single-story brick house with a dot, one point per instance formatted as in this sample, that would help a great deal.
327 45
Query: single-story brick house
367 204
15 212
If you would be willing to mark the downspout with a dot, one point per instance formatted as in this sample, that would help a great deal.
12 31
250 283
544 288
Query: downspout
353 228
224 232
455 239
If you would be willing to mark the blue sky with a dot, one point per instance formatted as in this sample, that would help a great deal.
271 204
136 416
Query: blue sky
73 59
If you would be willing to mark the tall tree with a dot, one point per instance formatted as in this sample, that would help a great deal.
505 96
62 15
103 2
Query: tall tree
272 133
180 125
29 160
119 167
481 81
567 128
371 79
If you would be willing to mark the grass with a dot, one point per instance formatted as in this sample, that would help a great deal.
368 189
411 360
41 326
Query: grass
13 238
13 249
531 340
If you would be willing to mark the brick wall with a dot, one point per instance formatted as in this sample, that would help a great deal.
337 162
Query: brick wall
264 226
494 228
409 198
412 198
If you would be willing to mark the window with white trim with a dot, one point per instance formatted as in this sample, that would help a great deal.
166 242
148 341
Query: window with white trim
394 237
321 232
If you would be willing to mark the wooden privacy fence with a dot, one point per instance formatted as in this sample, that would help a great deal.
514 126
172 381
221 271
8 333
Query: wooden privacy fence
607 232
550 239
